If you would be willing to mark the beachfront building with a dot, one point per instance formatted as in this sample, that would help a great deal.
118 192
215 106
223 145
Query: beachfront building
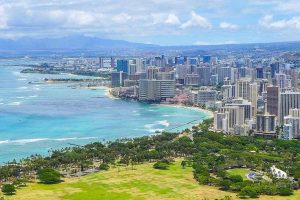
207 97
156 90
227 117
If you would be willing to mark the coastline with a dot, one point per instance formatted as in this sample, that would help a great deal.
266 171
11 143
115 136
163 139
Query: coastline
209 113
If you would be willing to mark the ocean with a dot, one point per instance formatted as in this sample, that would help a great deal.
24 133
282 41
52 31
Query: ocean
37 118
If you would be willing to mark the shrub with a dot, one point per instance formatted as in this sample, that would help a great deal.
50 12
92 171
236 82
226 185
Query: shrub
49 176
104 166
160 165
8 189
236 178
285 191
249 191
225 184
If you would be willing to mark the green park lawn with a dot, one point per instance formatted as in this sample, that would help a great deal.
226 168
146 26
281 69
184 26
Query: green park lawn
239 171
142 182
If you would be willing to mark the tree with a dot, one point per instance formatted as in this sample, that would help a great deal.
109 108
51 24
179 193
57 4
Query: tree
284 187
183 164
104 166
225 184
236 178
161 165
249 191
285 191
8 189
203 179
49 176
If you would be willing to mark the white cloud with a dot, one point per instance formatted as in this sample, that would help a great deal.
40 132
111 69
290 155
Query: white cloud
226 25
215 43
3 18
268 22
121 18
293 6
196 21
172 19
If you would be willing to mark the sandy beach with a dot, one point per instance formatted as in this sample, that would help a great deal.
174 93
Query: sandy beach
209 113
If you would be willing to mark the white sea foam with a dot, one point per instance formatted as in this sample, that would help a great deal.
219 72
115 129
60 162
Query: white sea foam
33 96
74 138
17 103
164 123
22 79
17 73
20 97
26 141
23 88
4 141
149 125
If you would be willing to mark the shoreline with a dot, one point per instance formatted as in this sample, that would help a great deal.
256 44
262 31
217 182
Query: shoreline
209 113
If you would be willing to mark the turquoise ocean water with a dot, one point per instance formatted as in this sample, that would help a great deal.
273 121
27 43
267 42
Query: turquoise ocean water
35 118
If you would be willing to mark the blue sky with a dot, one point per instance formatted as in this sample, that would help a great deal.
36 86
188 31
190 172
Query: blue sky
166 22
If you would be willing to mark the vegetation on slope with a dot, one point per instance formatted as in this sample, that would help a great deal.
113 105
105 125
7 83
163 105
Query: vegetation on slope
211 155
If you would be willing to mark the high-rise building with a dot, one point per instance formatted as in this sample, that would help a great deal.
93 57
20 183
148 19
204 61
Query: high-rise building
294 126
181 71
132 69
245 104
207 97
228 92
204 75
118 78
272 100
101 62
274 69
225 72
112 62
287 132
295 75
281 80
147 90
243 88
232 115
221 121
253 95
122 65
165 75
140 66
206 59
259 72
151 72
156 90
266 124
192 79
287 101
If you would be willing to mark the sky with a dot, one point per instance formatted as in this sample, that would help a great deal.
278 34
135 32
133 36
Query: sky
163 22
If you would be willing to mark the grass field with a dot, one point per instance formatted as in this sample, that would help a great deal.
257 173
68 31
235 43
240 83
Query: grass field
239 171
143 182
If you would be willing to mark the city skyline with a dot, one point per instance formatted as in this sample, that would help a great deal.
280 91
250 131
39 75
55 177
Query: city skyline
157 22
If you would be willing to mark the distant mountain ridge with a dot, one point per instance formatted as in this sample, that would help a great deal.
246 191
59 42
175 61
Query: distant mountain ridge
67 43
77 44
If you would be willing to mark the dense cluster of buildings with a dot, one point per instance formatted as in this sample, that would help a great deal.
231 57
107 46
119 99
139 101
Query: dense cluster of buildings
248 96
